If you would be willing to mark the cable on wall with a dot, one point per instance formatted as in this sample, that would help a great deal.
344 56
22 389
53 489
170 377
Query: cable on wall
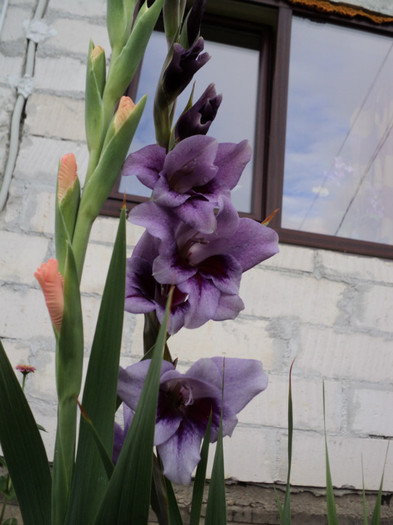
36 31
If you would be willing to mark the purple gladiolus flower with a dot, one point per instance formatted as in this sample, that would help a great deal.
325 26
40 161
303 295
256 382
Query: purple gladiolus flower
194 179
205 268
197 120
185 402
182 67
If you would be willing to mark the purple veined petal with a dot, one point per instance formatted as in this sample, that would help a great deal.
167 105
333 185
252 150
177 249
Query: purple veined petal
191 163
167 270
176 317
250 244
166 427
203 298
244 379
120 433
163 195
158 221
131 380
140 287
199 214
145 164
229 307
224 272
232 159
180 454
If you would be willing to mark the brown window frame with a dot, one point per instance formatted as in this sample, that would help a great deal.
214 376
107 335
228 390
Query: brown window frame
270 133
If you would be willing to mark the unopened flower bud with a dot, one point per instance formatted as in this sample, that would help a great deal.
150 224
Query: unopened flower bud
126 107
67 175
52 283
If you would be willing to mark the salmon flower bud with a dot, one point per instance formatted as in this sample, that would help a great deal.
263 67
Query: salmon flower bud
126 106
67 175
96 52
52 282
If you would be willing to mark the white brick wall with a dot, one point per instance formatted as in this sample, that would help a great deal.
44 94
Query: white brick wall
331 311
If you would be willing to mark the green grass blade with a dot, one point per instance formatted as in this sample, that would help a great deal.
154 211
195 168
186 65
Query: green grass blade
127 498
159 496
331 505
173 508
365 520
376 517
200 477
100 392
23 449
216 513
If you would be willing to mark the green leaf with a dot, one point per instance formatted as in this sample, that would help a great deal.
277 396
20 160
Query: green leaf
331 506
128 495
100 392
94 111
376 517
200 477
216 506
23 449
69 361
159 495
173 508
10 521
286 510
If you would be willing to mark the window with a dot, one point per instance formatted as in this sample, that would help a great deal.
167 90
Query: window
314 96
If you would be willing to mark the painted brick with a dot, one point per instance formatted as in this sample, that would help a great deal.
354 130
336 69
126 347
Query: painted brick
39 157
13 29
104 230
73 36
353 266
292 258
41 209
18 352
276 294
11 69
377 311
96 8
356 356
7 100
45 415
345 455
248 454
20 256
96 268
270 408
23 314
367 411
229 338
51 116
67 74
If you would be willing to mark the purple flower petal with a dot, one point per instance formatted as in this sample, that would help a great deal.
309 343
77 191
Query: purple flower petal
231 160
145 164
180 454
191 163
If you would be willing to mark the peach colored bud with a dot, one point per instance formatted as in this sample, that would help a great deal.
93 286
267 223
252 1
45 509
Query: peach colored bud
67 175
126 106
96 52
52 282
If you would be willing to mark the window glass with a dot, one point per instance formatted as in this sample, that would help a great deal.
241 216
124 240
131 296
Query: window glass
338 176
234 70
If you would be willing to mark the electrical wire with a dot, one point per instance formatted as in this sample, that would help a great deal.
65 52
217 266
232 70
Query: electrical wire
323 183
19 105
